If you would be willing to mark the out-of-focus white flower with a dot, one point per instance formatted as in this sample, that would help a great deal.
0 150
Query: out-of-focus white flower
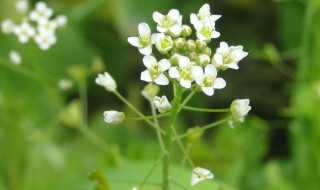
163 43
65 84
42 12
113 117
206 30
24 32
199 174
47 26
162 104
61 20
208 81
170 23
228 57
239 109
22 6
7 26
155 70
204 15
15 57
150 91
45 40
186 72
145 40
106 81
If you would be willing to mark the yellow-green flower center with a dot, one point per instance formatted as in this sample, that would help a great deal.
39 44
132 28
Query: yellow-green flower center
144 40
227 58
167 22
208 81
166 43
206 31
203 16
155 71
185 74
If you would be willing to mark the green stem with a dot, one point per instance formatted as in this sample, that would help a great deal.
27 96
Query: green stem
19 69
151 171
183 149
138 112
148 117
167 143
204 109
186 100
155 120
84 102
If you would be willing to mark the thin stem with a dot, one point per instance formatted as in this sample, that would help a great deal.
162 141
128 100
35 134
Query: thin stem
178 184
186 100
155 120
84 102
182 148
137 111
151 171
204 109
148 117
19 69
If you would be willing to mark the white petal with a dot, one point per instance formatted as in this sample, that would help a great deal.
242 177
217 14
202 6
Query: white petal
160 29
161 80
193 18
145 76
208 90
174 13
185 83
184 61
205 9
164 64
157 17
134 41
196 71
144 29
173 72
156 37
219 83
214 17
148 61
199 79
224 47
215 34
218 58
233 65
210 70
146 50
175 29
198 25
201 37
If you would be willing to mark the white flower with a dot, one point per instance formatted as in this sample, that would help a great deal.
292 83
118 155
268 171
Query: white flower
186 72
228 57
22 6
7 26
15 57
47 26
65 84
106 81
203 15
45 40
162 104
155 70
24 32
150 91
113 117
163 43
206 30
41 12
239 109
145 40
199 174
208 81
169 24
61 20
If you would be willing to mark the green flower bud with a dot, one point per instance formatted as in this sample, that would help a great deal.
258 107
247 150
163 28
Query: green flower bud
201 44
203 60
150 91
207 51
194 134
186 31
193 56
174 60
191 45
179 43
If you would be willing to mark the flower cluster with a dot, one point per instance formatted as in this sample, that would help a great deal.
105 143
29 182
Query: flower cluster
189 62
37 25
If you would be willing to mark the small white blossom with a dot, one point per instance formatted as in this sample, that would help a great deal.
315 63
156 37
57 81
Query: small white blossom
106 81
208 81
7 26
186 72
204 15
65 84
145 40
206 30
162 104
42 12
163 43
228 57
155 70
45 40
15 57
22 6
61 20
170 23
47 26
199 174
24 32
113 117
239 109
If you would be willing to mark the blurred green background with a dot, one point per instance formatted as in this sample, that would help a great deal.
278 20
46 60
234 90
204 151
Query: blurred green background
42 143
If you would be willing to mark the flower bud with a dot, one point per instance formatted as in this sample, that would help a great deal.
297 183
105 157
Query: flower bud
179 43
239 109
191 45
194 134
150 91
201 44
162 104
174 60
207 51
164 44
193 56
113 117
186 31
200 174
106 81
203 60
